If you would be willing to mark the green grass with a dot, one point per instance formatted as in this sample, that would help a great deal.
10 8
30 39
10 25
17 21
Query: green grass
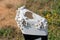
10 33
52 14
50 9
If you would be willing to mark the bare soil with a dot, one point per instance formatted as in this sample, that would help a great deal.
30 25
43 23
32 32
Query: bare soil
7 17
8 11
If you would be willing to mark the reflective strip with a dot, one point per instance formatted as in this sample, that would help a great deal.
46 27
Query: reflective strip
38 39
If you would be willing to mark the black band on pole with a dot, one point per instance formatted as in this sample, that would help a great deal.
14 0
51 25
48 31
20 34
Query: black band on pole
33 37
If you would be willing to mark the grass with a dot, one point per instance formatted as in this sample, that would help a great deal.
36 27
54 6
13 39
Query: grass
48 9
51 11
10 33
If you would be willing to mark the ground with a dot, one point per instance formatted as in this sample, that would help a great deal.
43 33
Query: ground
50 9
8 11
7 15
